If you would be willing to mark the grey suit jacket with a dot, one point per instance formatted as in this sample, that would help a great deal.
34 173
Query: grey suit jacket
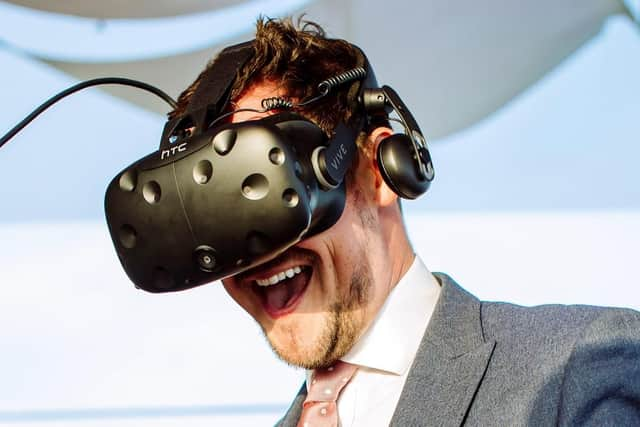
497 364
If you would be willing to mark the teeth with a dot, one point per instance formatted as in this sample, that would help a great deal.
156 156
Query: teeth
276 278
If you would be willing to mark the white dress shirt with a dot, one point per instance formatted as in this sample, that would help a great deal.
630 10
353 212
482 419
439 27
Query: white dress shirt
386 351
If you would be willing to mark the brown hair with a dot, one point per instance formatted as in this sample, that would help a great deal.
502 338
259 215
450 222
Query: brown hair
298 57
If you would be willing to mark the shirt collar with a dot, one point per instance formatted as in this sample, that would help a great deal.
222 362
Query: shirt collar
391 342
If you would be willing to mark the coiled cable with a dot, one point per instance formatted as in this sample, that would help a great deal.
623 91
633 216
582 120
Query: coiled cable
276 103
326 86
281 103
348 76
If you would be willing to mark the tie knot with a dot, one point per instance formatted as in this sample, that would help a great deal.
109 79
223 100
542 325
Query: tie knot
326 383
319 408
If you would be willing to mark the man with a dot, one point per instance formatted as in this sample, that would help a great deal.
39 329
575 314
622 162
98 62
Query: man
419 349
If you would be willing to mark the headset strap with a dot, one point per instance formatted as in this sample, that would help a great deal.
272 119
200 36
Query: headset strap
211 96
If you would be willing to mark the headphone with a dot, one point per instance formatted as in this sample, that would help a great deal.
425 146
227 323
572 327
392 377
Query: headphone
403 159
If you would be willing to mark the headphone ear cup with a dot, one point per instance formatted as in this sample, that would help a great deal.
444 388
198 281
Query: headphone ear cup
399 167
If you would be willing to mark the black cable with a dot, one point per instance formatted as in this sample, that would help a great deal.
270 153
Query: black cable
82 85
232 112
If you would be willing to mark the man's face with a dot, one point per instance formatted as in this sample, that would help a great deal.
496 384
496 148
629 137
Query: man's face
318 297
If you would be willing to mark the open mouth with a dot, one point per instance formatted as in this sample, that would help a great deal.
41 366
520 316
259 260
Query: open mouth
281 291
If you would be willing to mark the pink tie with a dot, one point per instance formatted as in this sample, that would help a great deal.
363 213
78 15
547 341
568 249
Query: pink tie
319 408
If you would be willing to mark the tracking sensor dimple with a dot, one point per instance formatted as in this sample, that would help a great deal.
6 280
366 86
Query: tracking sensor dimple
255 186
128 180
276 156
290 198
152 192
202 172
128 236
224 141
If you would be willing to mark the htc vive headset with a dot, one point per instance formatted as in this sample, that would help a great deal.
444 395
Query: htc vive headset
219 198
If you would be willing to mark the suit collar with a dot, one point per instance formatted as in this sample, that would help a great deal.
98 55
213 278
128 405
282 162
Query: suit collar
450 363
456 324
408 308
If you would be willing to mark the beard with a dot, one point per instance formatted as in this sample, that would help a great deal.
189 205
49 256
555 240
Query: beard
344 321
343 325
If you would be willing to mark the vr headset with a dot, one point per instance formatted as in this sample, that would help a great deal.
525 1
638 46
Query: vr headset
214 201
218 198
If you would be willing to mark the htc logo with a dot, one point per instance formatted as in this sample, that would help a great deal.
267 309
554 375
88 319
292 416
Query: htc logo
339 157
173 150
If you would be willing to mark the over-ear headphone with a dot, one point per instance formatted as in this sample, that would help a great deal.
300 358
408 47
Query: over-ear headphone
404 160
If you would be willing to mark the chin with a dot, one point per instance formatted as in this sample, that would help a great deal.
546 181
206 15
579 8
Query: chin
314 343
295 340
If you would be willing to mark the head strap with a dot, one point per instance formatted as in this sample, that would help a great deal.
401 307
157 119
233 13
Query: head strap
214 89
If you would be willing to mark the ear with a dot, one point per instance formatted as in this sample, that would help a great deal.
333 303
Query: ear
384 195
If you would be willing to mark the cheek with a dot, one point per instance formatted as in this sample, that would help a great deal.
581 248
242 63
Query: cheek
349 252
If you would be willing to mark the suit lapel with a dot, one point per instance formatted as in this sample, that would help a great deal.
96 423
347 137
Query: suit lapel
450 363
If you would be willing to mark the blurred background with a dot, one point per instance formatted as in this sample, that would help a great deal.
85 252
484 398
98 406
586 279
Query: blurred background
532 109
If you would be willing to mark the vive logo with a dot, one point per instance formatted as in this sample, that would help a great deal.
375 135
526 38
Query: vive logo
339 157
173 150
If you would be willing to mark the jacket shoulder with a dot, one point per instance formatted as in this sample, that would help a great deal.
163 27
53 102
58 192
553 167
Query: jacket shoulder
554 321
566 364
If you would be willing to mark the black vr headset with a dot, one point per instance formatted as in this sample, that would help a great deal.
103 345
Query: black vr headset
219 198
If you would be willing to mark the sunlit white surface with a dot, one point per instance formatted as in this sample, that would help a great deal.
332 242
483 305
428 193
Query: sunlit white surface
80 39
570 257
77 334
